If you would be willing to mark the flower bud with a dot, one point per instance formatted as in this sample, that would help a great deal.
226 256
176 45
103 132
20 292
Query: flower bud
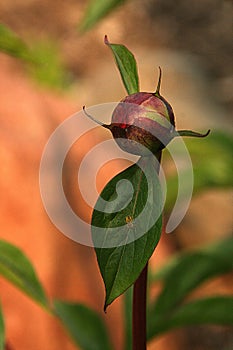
144 123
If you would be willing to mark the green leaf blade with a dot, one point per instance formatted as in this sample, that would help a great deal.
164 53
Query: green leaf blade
182 275
2 330
127 66
96 10
123 253
84 325
11 44
215 310
17 269
189 270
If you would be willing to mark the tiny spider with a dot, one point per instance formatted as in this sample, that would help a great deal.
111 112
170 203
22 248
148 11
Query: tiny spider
129 221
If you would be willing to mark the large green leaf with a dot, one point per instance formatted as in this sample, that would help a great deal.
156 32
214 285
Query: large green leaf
126 226
84 325
189 270
2 331
17 269
13 45
96 10
214 170
127 66
215 310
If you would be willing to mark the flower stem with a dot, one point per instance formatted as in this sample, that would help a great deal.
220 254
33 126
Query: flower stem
139 300
139 311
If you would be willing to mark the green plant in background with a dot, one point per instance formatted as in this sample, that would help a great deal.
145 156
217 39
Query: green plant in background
167 311
84 325
214 173
96 10
2 331
13 45
170 308
42 58
50 72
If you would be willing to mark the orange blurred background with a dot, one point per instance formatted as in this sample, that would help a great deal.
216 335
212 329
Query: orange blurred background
194 55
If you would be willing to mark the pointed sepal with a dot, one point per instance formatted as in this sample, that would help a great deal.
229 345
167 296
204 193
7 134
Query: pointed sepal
191 133
157 92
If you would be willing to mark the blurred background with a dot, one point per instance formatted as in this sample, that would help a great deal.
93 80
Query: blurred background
68 67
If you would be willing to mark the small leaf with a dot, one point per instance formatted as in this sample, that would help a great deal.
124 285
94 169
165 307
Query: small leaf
17 269
84 325
189 271
2 331
11 44
127 66
96 10
214 310
126 238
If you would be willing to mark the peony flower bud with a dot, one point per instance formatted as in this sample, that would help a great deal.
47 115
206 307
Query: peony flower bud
142 119
144 122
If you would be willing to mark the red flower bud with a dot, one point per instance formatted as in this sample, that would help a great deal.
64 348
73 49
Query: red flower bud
144 122
142 119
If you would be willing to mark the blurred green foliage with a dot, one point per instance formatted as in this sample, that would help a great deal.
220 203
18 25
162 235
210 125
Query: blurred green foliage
17 269
2 330
13 45
85 326
43 59
180 277
96 10
50 71
169 310
210 310
212 165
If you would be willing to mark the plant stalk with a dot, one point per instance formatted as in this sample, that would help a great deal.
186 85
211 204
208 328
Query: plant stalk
139 300
139 311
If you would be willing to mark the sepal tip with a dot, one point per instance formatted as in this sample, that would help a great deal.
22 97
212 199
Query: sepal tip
191 133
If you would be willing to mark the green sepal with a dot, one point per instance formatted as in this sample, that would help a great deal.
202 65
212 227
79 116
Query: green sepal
191 133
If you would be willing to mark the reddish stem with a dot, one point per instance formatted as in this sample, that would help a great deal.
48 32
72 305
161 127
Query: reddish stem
139 298
7 347
139 311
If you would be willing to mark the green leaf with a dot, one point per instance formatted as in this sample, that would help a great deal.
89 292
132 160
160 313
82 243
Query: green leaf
17 269
214 310
50 70
190 270
126 226
212 171
2 331
96 10
223 249
11 44
127 66
84 325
